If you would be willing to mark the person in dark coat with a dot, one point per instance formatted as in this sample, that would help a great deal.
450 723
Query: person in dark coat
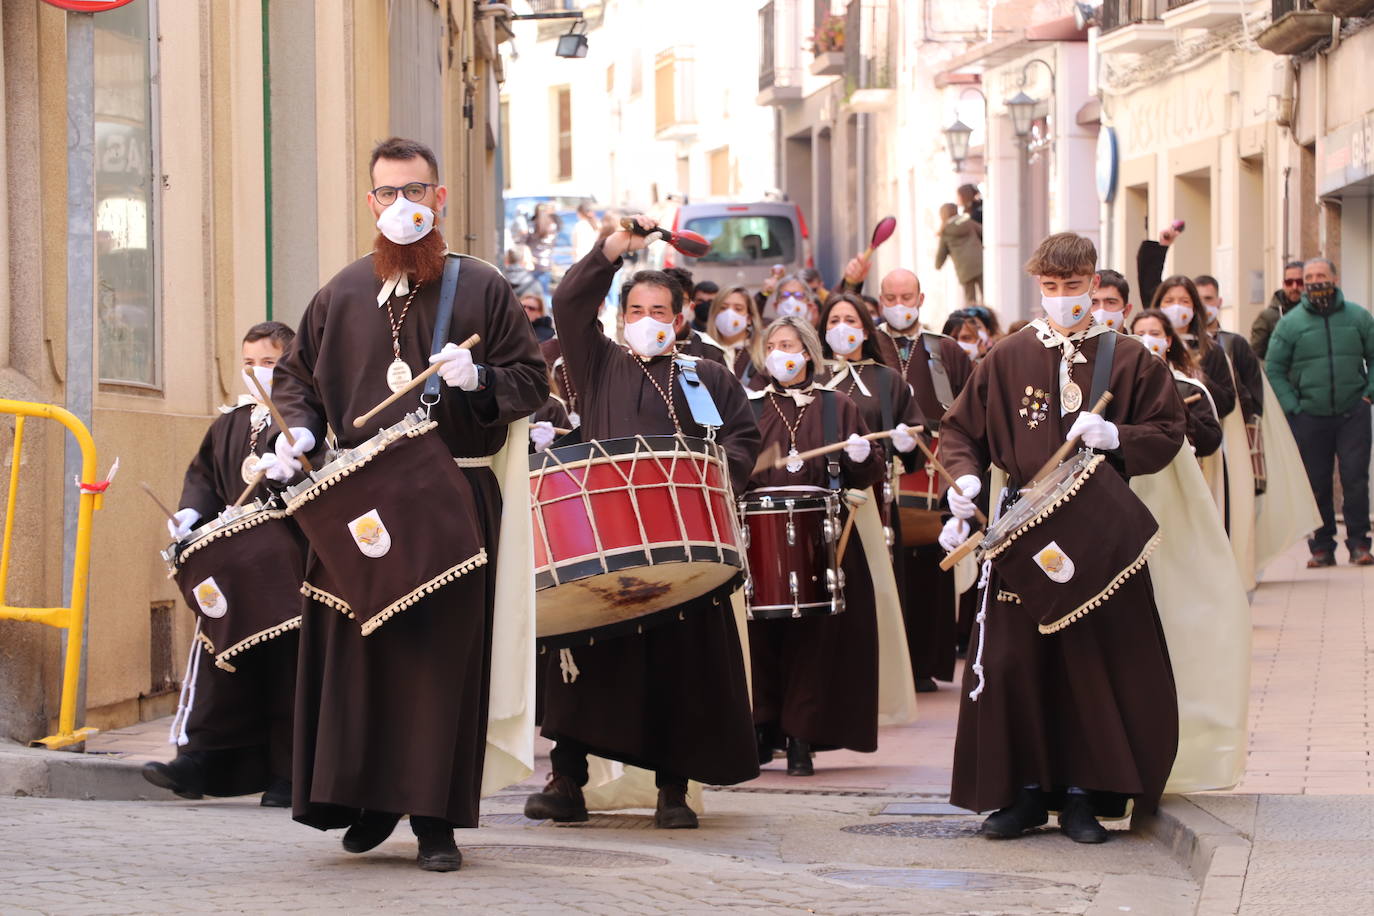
1284 300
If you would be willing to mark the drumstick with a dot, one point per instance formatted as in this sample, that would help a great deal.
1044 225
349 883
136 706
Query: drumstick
153 496
782 460
944 472
1063 451
276 416
855 498
359 422
560 431
252 485
1193 398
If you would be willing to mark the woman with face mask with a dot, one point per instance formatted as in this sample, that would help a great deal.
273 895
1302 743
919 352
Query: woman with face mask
1177 298
968 333
733 323
792 297
1154 330
815 679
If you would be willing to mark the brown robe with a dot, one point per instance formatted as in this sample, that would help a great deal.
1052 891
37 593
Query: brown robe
240 724
929 602
694 343
396 721
816 678
1203 429
673 699
552 351
1093 705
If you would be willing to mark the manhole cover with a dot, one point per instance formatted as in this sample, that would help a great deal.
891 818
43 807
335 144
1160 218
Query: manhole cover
921 809
507 820
943 829
564 856
934 879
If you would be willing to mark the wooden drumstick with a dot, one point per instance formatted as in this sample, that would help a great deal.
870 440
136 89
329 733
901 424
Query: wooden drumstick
855 498
560 431
252 485
153 496
1069 444
944 473
414 383
1193 398
781 461
276 417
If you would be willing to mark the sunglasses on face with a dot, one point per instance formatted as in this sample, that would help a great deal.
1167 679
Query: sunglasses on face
794 294
1292 283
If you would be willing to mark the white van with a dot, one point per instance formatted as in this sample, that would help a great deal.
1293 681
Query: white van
747 240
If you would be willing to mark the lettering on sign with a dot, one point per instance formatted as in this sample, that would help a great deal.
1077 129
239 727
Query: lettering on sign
1177 118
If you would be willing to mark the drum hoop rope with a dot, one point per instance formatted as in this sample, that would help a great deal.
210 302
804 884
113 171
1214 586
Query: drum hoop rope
1046 511
243 524
1106 593
388 437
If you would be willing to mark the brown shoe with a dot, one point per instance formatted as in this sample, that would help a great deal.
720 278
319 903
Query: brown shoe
1361 556
1322 558
561 801
673 812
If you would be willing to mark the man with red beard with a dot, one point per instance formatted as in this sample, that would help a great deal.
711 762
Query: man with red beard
396 722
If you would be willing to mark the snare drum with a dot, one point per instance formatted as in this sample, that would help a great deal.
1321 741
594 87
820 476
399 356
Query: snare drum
918 502
626 528
242 575
792 534
392 520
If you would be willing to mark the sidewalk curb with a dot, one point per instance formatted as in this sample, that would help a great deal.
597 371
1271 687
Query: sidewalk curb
1214 852
41 773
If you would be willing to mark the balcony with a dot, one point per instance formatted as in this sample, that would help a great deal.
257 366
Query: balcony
869 60
827 45
1202 14
1297 27
780 72
1346 9
1132 27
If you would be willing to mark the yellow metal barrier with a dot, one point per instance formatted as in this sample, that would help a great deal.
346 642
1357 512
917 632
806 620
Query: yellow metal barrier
71 618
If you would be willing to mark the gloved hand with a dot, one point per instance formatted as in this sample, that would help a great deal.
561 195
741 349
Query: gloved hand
458 370
286 454
857 448
541 434
903 439
180 525
1095 432
962 506
953 534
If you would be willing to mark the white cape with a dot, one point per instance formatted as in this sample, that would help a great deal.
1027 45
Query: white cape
896 683
1240 490
1286 513
1206 619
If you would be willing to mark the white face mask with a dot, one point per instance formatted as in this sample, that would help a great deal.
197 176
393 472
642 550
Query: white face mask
649 337
970 348
730 322
264 374
844 339
1066 311
784 367
1108 318
1159 346
404 221
792 308
1212 312
983 337
901 317
1180 316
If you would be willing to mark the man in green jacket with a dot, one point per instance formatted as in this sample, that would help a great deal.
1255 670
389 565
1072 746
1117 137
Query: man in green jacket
1319 359
1283 302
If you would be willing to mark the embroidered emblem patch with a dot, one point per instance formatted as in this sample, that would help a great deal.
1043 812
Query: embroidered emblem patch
1054 562
418 219
210 599
370 535
1035 406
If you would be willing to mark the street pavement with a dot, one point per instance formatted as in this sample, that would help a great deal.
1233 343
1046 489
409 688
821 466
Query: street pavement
870 833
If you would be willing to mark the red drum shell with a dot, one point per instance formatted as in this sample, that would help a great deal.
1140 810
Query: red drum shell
807 558
918 502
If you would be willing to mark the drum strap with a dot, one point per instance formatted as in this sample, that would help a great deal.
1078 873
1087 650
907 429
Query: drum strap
830 430
699 399
1102 368
448 289
939 378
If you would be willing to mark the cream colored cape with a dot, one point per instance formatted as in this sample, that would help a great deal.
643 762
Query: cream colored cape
1287 512
1240 488
510 709
1206 619
1213 465
896 684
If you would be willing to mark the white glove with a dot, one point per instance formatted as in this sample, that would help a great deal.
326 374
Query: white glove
541 434
1095 432
180 525
953 534
457 370
962 506
903 439
857 448
286 454
272 469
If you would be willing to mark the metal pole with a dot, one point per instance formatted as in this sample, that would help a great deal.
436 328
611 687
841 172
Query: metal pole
80 290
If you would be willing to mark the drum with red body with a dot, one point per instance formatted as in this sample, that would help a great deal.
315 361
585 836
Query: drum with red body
626 528
792 534
918 502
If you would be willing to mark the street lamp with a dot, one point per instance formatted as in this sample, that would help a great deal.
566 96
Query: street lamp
956 136
1021 107
573 44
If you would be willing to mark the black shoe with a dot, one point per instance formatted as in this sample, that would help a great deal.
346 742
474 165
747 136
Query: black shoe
182 776
1078 823
437 850
1008 823
799 758
370 831
672 812
926 685
278 795
561 802
1321 558
765 747
1360 556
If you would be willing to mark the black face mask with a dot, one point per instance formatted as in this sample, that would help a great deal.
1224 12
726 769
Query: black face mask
1322 296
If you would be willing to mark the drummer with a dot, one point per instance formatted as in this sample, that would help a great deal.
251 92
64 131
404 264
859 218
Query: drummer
673 699
815 679
239 726
1082 720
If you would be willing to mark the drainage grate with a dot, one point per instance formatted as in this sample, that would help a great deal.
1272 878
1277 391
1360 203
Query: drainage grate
935 879
943 829
564 856
507 820
918 809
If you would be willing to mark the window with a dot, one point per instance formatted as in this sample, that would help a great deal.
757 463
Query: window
562 103
505 144
636 72
610 79
665 108
718 163
128 320
746 239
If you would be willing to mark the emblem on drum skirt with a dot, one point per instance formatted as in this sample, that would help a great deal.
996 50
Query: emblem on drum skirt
210 599
370 534
1054 562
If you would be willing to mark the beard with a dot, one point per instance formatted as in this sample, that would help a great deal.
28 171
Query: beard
421 261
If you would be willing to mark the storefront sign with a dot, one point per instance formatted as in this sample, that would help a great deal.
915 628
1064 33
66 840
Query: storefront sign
1348 155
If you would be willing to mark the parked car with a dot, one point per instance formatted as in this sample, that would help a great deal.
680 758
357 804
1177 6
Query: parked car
747 239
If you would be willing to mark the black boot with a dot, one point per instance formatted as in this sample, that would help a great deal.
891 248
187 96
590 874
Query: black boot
926 685
437 852
799 758
561 802
1078 822
765 747
673 812
185 775
1029 811
369 831
278 795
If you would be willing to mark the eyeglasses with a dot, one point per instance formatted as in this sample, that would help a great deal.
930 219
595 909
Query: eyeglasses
415 192
794 294
1292 282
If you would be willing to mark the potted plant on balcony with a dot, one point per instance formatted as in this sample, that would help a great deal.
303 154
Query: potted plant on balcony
827 44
